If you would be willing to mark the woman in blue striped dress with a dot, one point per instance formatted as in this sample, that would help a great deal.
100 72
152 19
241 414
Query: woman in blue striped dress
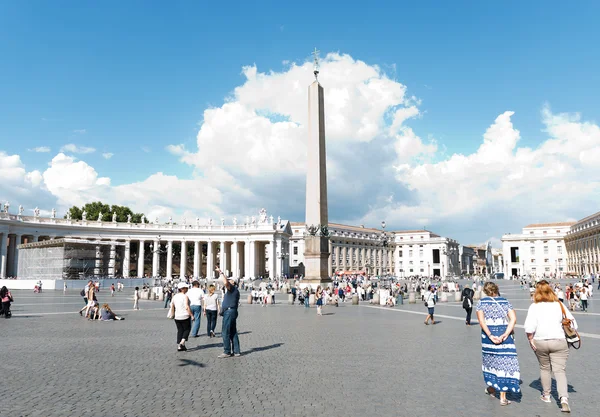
497 319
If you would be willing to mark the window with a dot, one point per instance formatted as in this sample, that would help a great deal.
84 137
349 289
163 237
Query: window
545 232
545 241
533 261
411 270
421 269
295 250
547 269
545 250
533 269
421 252
410 253
400 253
410 262
411 237
532 249
420 262
531 232
559 250
546 260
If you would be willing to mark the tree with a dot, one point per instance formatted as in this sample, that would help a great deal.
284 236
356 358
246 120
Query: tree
95 208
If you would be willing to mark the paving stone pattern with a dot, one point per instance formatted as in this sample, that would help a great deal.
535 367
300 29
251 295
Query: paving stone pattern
353 361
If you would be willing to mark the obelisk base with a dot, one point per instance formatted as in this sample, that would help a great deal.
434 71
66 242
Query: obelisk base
316 262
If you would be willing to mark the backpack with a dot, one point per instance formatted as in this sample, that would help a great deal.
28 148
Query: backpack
82 293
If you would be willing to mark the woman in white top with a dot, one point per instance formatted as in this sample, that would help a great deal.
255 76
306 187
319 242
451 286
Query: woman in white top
583 296
543 326
181 312
211 310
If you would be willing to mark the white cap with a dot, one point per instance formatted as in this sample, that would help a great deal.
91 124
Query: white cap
182 285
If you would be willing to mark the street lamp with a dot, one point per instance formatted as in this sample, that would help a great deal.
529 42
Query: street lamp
281 256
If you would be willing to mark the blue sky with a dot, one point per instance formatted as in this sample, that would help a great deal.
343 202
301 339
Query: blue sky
125 76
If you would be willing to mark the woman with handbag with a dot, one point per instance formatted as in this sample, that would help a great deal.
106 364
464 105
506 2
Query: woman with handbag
182 313
429 301
497 319
546 334
467 299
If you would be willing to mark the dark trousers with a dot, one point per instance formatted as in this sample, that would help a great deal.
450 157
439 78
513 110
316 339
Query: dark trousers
584 304
469 311
211 321
5 308
167 301
183 329
229 332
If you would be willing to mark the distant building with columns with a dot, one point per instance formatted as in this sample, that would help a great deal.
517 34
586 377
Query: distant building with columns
583 246
110 249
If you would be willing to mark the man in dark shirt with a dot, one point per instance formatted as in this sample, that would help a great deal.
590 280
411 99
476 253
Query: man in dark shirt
229 307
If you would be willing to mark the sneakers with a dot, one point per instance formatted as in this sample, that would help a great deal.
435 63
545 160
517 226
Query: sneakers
546 398
564 403
237 355
224 355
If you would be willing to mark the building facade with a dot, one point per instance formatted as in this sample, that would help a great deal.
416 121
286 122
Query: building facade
583 246
539 250
252 249
421 252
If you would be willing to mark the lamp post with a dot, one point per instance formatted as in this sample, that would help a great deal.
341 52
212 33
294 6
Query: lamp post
384 243
281 255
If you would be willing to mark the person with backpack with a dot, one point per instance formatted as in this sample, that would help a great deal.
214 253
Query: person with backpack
6 298
467 297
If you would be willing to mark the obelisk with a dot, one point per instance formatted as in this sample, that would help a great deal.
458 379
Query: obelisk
316 241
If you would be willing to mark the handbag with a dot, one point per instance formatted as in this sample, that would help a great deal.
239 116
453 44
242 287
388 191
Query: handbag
427 301
171 313
571 334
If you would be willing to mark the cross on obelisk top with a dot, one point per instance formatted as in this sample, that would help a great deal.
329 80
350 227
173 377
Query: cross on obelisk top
315 54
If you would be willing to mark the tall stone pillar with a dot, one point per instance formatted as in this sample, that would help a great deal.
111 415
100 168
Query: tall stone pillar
197 265
344 258
111 260
140 267
183 261
18 240
273 259
155 258
252 259
247 258
169 273
235 260
36 238
210 266
316 243
126 259
3 254
98 262
222 257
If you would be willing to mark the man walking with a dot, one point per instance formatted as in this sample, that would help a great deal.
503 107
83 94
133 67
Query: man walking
231 300
195 295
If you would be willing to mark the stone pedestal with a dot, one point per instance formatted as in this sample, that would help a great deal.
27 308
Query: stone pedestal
376 298
355 300
311 300
457 296
249 298
291 298
444 298
412 298
316 259
477 295
399 300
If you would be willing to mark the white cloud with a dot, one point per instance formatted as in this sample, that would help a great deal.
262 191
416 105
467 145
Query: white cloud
146 149
19 186
40 149
107 155
72 148
80 131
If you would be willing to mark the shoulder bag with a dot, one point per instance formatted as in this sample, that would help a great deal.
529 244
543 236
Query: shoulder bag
571 334
512 333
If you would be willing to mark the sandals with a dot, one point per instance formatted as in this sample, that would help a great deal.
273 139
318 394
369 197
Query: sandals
546 398
505 402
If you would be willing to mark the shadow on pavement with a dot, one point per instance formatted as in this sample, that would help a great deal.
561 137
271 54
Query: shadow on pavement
208 346
262 348
188 362
537 385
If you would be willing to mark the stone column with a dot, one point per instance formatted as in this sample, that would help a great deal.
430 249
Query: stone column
140 267
210 266
273 259
18 240
183 261
342 261
222 257
247 258
197 265
155 258
111 261
235 260
169 273
3 254
126 259
252 261
36 238
98 262
336 250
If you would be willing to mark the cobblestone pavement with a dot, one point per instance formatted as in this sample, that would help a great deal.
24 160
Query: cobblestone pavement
353 361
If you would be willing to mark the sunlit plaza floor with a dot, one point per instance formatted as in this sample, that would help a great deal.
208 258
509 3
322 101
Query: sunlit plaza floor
353 361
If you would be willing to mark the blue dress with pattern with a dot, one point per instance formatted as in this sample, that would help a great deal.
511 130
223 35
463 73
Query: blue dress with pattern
500 362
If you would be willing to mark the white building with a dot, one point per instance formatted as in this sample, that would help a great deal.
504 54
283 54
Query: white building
583 246
539 250
421 252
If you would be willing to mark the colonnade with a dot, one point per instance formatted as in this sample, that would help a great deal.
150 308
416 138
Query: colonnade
9 251
378 261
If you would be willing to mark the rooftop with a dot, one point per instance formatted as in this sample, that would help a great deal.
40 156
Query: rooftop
559 224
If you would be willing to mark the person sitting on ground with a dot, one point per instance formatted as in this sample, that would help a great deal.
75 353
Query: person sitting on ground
6 298
106 314
94 312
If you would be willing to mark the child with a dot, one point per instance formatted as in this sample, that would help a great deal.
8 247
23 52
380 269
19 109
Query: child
112 290
136 297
